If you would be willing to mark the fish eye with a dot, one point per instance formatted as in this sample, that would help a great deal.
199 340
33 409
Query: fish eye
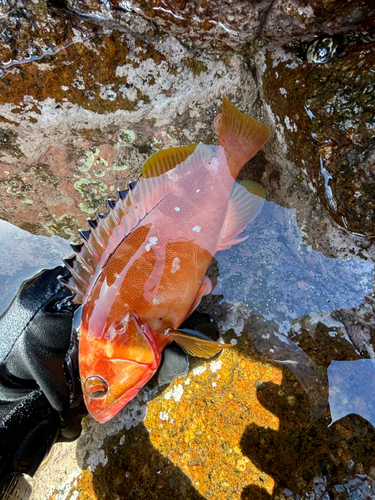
95 387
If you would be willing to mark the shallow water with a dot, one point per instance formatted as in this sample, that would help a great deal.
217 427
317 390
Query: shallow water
23 255
277 276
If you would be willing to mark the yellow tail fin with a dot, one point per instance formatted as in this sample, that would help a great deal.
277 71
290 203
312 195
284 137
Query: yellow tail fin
241 136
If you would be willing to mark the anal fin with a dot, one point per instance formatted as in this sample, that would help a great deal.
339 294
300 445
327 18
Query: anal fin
197 344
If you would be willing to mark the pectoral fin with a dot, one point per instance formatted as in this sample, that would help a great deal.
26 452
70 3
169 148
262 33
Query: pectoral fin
197 344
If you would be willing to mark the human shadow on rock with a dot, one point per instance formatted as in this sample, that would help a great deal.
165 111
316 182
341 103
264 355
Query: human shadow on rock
298 452
136 470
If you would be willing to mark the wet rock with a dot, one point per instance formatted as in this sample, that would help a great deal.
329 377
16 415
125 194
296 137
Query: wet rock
360 324
205 25
32 31
73 134
223 25
324 111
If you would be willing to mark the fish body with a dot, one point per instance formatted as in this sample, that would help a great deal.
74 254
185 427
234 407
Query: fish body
141 270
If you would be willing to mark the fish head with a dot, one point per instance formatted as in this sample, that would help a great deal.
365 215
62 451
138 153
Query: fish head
116 364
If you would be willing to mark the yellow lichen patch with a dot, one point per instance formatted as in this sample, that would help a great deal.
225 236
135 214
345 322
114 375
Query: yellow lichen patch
198 423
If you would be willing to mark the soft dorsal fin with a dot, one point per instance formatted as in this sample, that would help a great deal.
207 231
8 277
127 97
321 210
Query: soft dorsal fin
109 230
165 160
241 136
197 344
245 202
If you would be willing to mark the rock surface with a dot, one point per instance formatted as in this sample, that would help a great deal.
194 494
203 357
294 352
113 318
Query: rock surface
88 91
333 104
224 25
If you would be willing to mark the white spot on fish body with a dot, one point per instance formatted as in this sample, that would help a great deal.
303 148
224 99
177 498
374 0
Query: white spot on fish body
213 384
177 209
197 229
175 265
197 191
152 241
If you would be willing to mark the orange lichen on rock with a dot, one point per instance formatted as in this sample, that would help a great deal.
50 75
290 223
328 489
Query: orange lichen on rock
190 445
201 433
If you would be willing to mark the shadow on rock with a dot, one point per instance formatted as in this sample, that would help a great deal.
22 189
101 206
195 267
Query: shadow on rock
297 455
131 468
255 493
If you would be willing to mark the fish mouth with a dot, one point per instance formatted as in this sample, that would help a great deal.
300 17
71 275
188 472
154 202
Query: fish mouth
101 411
107 413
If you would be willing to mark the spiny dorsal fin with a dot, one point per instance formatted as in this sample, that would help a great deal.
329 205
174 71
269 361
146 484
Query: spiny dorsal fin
241 136
109 230
245 202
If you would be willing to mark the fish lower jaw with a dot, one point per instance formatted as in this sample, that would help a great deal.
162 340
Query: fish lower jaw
104 415
107 413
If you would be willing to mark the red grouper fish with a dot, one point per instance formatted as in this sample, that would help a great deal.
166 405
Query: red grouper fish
140 270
